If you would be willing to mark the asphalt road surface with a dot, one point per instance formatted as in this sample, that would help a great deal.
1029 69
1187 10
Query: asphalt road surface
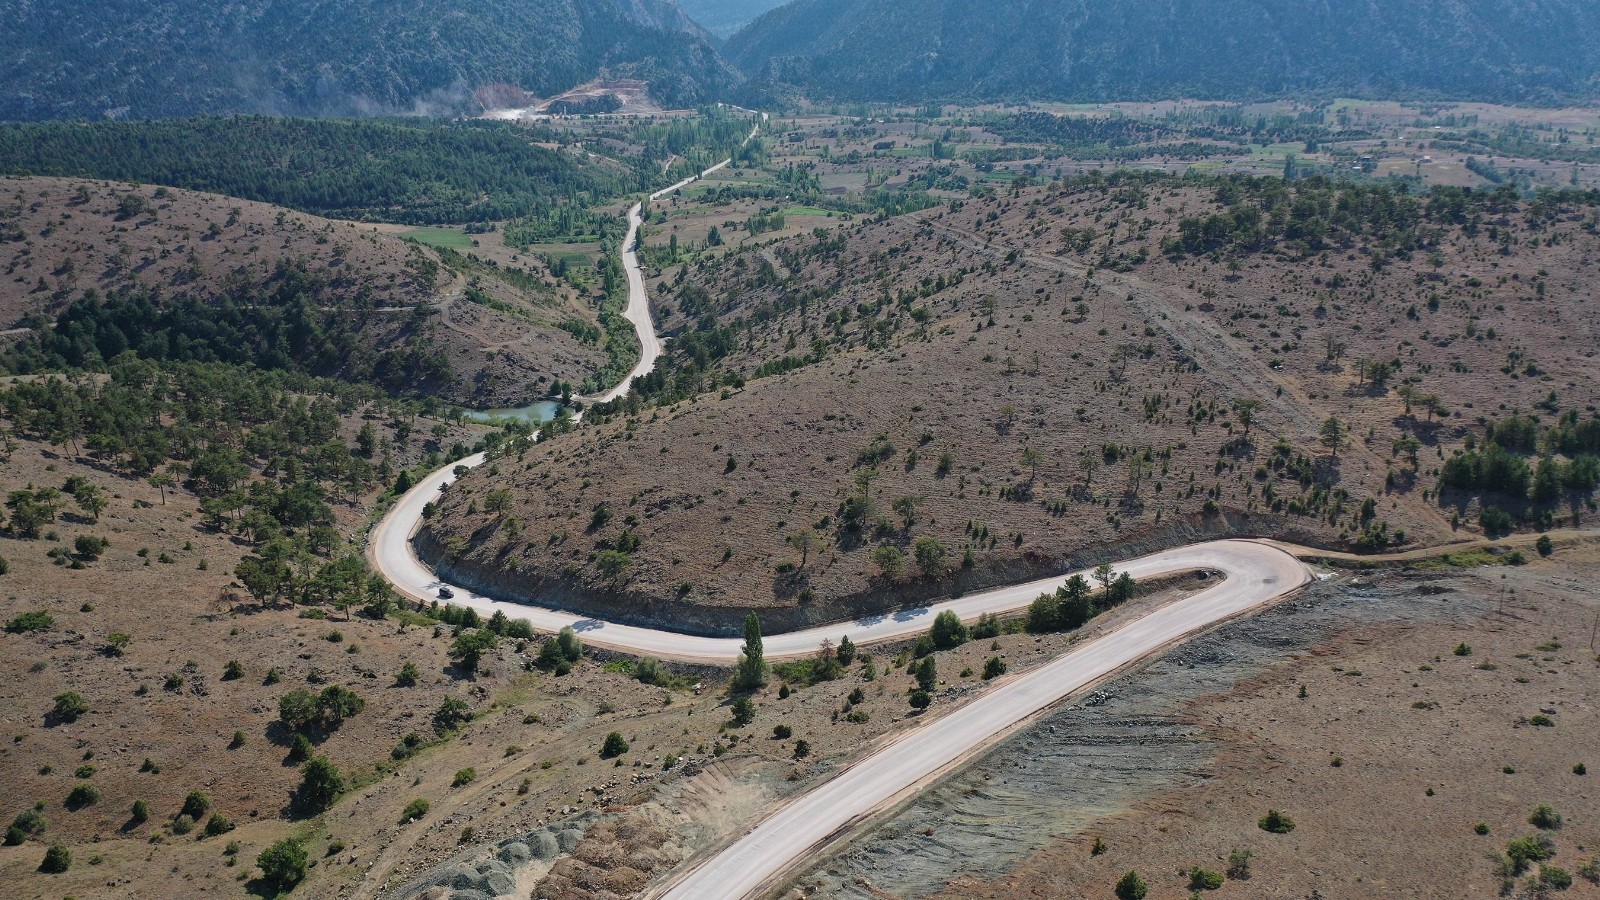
1255 575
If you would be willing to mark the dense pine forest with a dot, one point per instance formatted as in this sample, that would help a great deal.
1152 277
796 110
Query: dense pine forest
415 172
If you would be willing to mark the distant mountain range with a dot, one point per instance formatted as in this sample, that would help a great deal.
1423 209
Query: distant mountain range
155 58
1102 50
148 58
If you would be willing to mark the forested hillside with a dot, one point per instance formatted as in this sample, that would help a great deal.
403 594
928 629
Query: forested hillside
94 269
149 58
416 173
914 50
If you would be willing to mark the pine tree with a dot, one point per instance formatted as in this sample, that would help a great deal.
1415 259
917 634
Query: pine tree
751 671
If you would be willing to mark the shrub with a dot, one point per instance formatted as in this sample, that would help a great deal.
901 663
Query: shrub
57 859
283 865
470 646
69 705
408 675
218 824
1495 521
920 699
464 777
408 746
140 812
987 626
90 547
182 824
994 668
1544 545
1545 817
30 621
27 824
649 671
82 795
948 631
1239 863
233 671
615 745
300 748
320 784
1131 887
117 642
1555 877
1527 850
414 810
802 749
744 711
782 732
1276 822
1463 649
451 714
926 672
1481 829
1204 879
196 804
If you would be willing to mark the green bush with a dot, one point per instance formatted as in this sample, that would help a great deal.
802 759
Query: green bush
69 705
1239 863
615 745
451 714
414 810
30 621
1276 822
140 812
1204 880
464 777
182 824
1525 851
1545 817
320 784
82 795
1555 878
782 732
283 865
744 711
994 668
408 675
920 699
218 824
1131 887
57 859
27 824
196 805
948 632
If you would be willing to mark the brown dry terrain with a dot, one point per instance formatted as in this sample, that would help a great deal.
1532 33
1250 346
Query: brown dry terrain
63 237
936 350
167 582
1386 748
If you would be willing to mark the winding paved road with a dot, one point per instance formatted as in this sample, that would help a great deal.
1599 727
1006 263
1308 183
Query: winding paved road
1254 573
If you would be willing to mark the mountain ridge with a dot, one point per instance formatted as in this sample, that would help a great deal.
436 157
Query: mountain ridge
156 58
1542 51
